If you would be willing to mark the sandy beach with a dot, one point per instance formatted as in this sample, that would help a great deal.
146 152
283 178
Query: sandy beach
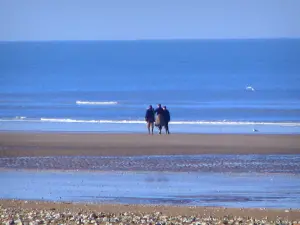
89 144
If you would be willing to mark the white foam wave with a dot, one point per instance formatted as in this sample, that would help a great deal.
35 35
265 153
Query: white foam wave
173 122
20 117
91 121
95 103
67 120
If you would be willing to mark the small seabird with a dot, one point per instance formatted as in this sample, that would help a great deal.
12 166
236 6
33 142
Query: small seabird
249 88
255 130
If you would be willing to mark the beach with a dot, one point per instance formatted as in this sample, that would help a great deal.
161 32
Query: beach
15 144
40 169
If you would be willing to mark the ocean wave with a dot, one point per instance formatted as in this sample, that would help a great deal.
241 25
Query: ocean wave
223 122
95 103
20 117
91 121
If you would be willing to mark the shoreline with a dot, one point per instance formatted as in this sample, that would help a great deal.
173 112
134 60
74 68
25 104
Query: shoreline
95 144
120 209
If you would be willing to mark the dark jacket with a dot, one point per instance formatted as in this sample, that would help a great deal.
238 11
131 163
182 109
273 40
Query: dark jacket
159 111
167 116
150 115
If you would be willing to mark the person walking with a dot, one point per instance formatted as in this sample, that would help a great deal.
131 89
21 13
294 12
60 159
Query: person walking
167 118
159 122
150 119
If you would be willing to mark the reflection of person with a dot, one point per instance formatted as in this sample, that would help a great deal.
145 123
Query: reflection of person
159 122
150 118
167 118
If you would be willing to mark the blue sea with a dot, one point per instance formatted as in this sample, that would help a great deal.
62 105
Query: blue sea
209 86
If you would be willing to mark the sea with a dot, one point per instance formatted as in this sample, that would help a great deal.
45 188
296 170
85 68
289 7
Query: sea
209 86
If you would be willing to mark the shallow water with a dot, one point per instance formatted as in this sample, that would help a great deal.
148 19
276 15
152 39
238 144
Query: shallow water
181 188
271 181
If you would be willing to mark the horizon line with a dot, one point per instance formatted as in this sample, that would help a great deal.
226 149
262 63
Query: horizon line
163 39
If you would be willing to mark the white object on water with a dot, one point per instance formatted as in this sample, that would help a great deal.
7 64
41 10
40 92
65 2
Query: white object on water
249 88
95 103
20 117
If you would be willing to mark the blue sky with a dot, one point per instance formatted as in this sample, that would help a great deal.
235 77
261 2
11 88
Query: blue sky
155 19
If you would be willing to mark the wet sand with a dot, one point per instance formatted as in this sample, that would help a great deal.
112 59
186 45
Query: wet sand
89 144
212 163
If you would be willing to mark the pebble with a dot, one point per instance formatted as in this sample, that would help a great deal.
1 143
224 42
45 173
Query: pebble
21 216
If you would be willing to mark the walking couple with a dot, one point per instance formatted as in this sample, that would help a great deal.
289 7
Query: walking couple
161 119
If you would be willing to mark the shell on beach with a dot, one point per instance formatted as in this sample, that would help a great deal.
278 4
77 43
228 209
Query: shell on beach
21 216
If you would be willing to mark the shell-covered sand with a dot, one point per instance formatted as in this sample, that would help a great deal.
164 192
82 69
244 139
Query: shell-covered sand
34 212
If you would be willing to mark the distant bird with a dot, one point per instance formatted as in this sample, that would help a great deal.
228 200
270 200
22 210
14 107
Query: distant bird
249 88
255 130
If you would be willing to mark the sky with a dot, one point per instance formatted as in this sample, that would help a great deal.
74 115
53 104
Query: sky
30 20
